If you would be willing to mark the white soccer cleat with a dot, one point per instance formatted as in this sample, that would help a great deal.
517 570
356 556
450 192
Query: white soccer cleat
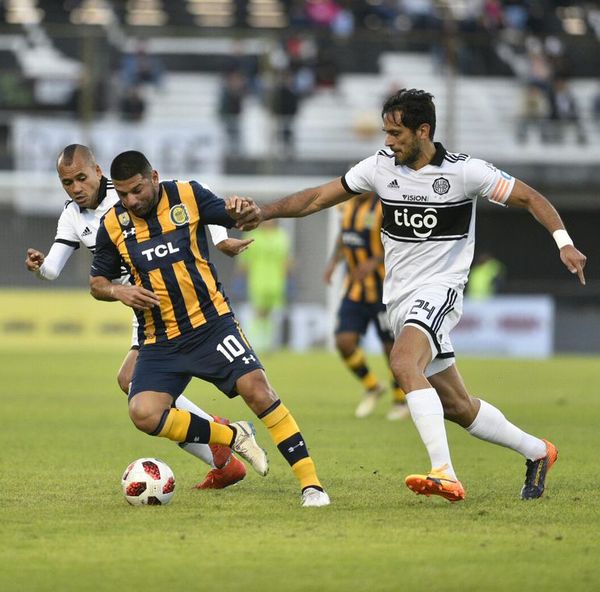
314 498
397 412
247 447
369 402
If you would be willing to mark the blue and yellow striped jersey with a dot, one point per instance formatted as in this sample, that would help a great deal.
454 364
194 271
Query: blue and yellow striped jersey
167 252
361 240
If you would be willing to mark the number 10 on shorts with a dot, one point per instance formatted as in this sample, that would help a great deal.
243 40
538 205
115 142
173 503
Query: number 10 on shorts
231 348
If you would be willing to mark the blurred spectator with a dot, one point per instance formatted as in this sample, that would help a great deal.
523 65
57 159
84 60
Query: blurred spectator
322 13
564 112
535 110
132 104
140 68
515 15
326 70
420 12
284 105
231 101
539 72
343 25
248 66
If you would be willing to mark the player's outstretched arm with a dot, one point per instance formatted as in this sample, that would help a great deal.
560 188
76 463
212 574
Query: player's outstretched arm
136 297
543 211
50 266
297 205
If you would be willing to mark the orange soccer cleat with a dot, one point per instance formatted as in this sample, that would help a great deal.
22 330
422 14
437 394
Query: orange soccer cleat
230 474
437 483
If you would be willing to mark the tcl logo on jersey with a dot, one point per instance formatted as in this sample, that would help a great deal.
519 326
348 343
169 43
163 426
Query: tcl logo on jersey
160 251
422 223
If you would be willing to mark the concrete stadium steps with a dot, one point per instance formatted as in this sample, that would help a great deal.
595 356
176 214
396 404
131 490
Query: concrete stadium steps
345 123
184 97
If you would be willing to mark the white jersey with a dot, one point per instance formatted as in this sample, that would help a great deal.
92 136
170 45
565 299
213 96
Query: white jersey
78 226
428 230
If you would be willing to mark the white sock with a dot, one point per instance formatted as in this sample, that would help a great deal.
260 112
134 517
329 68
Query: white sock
201 451
428 415
184 403
491 425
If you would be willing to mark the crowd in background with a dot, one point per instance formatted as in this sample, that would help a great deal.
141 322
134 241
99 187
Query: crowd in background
525 38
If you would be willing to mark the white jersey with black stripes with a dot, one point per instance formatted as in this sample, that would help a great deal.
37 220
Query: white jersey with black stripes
428 229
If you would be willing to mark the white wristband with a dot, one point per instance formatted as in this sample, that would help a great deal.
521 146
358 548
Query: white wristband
562 238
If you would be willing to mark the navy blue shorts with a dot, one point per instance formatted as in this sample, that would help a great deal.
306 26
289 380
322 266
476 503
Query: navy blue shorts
217 352
354 317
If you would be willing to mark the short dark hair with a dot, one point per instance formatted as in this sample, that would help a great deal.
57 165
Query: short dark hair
67 155
129 164
417 108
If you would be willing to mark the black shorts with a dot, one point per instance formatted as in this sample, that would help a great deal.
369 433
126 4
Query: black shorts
217 352
354 317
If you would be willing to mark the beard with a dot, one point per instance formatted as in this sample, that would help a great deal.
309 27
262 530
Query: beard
410 156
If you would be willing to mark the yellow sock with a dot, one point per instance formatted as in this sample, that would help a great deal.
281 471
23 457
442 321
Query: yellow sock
357 363
176 424
182 426
220 434
284 431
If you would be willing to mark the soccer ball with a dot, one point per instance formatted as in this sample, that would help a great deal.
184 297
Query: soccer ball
148 481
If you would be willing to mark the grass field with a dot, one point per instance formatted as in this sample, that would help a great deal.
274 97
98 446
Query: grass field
66 439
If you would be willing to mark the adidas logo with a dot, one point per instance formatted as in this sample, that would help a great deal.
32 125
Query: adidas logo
86 231
394 184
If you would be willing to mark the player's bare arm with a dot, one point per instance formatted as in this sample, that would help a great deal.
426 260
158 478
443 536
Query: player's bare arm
297 205
234 246
34 260
365 268
543 211
136 297
335 258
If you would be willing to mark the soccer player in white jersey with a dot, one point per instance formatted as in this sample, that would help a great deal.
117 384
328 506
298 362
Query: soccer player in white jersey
91 196
428 197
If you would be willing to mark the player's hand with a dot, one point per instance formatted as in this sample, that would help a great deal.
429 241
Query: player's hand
574 260
135 296
34 259
245 211
234 246
328 273
362 270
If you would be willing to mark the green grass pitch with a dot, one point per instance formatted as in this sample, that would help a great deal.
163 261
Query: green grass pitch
65 439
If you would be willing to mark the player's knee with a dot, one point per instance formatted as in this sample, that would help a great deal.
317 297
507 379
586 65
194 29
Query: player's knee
144 416
256 391
405 371
345 344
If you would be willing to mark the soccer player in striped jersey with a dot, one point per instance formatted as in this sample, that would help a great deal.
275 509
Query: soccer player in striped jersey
92 195
359 247
429 196
186 325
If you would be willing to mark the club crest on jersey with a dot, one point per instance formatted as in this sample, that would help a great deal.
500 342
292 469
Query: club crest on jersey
124 219
179 215
441 186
